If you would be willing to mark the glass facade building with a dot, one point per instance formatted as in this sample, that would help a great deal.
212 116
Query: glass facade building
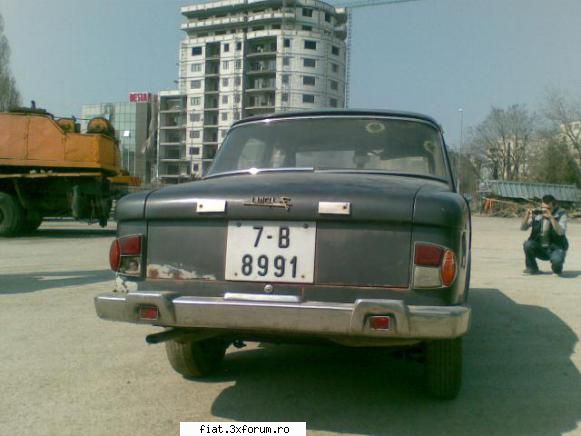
131 121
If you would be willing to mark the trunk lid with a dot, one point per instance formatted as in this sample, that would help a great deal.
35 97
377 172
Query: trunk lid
368 247
372 197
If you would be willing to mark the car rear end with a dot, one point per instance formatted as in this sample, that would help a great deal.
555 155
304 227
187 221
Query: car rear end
360 259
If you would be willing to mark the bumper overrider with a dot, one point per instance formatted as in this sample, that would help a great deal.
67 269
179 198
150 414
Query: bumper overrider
275 314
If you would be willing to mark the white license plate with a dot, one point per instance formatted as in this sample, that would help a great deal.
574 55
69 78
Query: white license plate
271 251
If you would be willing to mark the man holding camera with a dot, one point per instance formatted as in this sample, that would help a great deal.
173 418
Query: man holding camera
547 240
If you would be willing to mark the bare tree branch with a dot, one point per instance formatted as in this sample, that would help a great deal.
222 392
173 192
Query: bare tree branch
564 112
502 139
9 95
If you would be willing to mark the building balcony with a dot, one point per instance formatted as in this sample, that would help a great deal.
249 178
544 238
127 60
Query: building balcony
173 127
261 72
213 22
340 31
271 16
172 120
259 107
174 160
261 54
261 68
172 110
183 174
340 15
175 164
269 88
210 150
171 143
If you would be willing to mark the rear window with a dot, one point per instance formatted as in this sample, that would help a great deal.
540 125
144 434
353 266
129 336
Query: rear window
342 143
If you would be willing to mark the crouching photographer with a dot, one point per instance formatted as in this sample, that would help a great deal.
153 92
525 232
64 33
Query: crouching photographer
547 240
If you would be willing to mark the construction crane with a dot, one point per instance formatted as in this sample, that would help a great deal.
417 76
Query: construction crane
349 5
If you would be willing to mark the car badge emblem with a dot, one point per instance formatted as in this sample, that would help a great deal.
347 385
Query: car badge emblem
268 201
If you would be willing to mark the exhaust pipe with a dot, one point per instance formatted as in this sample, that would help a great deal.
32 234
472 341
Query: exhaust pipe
175 334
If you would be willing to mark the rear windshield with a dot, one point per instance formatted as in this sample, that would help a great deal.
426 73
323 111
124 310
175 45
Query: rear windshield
360 144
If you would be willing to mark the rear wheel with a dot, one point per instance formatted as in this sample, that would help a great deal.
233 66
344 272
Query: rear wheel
11 215
444 368
196 359
467 285
32 221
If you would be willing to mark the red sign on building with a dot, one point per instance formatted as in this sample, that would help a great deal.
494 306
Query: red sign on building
139 97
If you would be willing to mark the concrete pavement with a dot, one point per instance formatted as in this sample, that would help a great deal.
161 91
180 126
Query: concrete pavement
63 371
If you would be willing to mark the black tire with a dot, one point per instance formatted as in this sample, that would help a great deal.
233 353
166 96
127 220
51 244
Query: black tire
31 222
196 359
467 285
11 215
444 368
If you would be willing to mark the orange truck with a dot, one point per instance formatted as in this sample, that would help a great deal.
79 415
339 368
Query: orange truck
48 168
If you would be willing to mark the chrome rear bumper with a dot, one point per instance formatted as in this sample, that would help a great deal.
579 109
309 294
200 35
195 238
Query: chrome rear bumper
270 314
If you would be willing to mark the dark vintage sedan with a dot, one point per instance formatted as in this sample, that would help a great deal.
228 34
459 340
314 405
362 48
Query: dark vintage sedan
329 226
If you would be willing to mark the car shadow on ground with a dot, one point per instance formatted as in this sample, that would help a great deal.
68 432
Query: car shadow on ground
518 380
41 281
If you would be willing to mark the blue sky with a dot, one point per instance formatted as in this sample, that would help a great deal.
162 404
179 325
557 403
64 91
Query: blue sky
430 56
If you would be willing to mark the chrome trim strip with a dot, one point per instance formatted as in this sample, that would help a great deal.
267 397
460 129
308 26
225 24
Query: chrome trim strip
254 171
238 296
436 126
210 206
334 208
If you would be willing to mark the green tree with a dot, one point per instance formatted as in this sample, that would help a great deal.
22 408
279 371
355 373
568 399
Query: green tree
9 95
555 164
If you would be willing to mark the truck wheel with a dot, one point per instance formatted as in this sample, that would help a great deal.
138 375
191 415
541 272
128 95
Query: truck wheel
195 359
11 215
31 222
444 368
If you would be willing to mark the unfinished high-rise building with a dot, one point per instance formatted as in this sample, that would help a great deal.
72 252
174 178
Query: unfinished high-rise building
242 58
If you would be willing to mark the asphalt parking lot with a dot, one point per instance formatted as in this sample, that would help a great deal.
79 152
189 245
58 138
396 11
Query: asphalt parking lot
63 371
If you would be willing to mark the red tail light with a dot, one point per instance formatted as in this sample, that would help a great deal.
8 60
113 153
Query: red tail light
148 312
380 322
125 255
130 245
115 255
428 255
435 266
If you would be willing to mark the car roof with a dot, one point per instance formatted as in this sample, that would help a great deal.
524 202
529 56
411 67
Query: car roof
339 112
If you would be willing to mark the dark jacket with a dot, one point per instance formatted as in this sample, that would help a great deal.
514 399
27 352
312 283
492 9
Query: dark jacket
556 240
